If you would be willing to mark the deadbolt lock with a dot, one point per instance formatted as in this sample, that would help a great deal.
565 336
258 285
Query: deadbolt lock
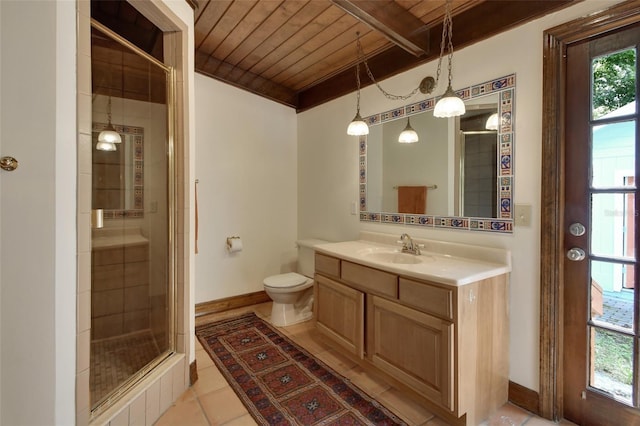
577 229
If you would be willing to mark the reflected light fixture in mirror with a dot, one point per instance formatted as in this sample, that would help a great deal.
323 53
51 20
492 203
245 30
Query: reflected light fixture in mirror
492 122
105 146
450 105
408 135
108 137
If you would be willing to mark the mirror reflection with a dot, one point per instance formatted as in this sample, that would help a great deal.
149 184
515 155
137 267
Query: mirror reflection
118 177
392 166
457 175
476 190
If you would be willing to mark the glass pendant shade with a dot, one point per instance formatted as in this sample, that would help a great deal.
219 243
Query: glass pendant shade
492 122
105 146
109 135
357 127
450 105
408 135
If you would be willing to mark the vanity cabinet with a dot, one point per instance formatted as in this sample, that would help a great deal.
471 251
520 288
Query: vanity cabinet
413 347
340 314
446 343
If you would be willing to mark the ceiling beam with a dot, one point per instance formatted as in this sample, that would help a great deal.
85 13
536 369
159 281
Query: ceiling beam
391 20
503 15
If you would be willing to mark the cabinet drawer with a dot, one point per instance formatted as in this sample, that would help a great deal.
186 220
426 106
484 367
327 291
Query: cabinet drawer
327 265
370 280
426 297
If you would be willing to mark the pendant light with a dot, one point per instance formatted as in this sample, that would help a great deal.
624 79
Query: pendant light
408 135
450 105
108 137
358 127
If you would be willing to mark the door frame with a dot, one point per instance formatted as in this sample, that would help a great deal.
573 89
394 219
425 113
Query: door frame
550 404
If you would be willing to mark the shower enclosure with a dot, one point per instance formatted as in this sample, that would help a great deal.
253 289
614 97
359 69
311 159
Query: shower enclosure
132 253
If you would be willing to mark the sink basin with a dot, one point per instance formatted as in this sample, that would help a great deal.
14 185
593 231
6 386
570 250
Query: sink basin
394 257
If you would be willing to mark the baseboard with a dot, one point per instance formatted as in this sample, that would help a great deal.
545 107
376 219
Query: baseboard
524 397
221 305
193 372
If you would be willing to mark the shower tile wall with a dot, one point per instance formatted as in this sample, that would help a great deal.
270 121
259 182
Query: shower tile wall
120 297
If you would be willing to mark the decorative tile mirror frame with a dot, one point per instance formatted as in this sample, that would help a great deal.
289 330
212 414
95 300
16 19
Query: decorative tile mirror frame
133 168
504 88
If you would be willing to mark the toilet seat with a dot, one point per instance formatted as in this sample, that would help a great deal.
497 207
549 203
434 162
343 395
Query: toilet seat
290 280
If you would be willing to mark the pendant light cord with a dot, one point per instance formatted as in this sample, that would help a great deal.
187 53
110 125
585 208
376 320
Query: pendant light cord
109 110
358 77
372 78
447 34
446 41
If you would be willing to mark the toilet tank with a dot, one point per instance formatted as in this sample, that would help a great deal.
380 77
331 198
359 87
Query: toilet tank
306 256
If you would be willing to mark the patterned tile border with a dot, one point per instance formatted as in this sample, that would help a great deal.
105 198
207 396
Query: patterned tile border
505 86
462 223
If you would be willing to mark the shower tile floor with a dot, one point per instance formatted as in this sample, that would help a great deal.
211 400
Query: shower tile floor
211 401
115 359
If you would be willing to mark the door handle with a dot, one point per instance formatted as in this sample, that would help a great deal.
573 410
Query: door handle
576 254
8 163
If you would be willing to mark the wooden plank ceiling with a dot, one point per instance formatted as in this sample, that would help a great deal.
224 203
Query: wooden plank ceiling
302 53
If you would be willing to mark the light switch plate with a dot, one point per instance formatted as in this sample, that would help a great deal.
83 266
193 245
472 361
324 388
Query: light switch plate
522 214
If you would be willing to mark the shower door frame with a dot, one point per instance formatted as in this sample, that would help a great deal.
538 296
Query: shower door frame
172 278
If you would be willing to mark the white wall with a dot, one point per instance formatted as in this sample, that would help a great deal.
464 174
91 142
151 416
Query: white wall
246 167
38 219
328 167
38 207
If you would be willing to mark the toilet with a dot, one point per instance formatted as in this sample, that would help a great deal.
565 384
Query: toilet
292 292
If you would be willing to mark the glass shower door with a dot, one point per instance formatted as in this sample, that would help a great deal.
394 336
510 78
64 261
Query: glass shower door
131 267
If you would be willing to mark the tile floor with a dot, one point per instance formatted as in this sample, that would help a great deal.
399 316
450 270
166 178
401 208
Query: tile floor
212 402
115 359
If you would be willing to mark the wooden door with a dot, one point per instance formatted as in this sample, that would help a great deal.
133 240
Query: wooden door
413 347
601 338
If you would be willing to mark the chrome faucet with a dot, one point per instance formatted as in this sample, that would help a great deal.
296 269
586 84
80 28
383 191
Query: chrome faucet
408 246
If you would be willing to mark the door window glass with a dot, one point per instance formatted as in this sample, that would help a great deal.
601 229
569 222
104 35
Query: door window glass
613 154
614 83
612 299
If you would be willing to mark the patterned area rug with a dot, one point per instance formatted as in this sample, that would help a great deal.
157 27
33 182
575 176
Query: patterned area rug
280 383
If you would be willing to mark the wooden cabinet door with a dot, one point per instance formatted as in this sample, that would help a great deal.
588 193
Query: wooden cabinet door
339 314
414 347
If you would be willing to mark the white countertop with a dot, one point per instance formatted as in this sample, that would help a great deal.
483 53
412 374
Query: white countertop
439 261
110 238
